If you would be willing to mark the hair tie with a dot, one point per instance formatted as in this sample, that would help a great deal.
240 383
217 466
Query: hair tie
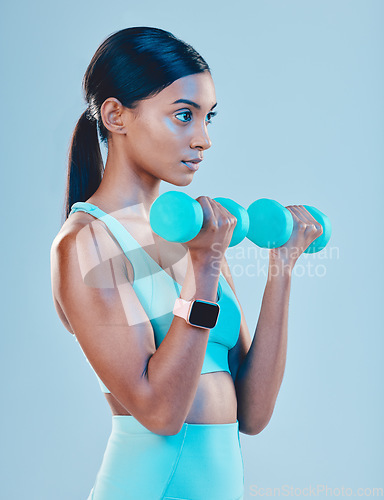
89 114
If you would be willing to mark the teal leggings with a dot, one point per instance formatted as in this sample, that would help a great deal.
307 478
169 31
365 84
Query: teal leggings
201 462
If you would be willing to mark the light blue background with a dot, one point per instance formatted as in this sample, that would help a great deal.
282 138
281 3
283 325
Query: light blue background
299 86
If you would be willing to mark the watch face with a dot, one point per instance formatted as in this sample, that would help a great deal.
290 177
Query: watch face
204 314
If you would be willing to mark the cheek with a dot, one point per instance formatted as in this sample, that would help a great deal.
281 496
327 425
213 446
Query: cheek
160 137
165 136
168 130
171 127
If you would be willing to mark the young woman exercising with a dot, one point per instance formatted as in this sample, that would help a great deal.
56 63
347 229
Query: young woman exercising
180 388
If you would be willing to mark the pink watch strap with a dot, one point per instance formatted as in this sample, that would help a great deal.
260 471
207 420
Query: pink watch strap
182 307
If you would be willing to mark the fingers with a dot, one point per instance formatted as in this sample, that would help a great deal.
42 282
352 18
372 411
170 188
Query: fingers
209 216
226 214
215 215
304 219
301 213
315 222
221 212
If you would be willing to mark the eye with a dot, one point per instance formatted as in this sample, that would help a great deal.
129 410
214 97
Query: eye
184 113
211 114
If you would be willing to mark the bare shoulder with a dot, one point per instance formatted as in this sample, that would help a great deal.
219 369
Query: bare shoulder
74 223
89 238
83 254
69 229
60 250
84 246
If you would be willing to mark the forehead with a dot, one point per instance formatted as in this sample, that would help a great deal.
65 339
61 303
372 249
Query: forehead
198 88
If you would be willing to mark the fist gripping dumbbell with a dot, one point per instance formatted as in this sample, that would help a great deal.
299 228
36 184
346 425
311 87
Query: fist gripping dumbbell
271 225
175 216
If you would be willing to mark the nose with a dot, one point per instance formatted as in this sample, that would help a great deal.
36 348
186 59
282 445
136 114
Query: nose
200 138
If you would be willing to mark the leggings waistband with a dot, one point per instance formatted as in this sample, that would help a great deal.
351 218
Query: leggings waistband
129 425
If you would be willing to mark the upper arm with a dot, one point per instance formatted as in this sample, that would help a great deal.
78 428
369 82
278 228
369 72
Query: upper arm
237 354
108 320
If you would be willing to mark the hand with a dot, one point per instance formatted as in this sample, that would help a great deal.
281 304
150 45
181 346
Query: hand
305 230
215 235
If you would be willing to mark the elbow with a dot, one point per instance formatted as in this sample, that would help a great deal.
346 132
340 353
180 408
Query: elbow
161 419
252 430
164 427
171 422
253 426
259 427
171 430
155 422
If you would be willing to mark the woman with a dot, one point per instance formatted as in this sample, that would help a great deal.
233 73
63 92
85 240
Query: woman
180 390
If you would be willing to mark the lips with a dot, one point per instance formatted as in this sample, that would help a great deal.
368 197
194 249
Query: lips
194 160
192 165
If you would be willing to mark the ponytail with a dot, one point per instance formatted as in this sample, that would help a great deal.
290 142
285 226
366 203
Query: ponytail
85 163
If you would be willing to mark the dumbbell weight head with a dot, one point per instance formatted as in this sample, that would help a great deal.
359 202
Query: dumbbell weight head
175 216
270 224
321 241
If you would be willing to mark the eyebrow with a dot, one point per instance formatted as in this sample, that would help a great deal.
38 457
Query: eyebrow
191 103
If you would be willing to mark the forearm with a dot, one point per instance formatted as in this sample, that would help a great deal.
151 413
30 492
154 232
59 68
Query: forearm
261 373
173 371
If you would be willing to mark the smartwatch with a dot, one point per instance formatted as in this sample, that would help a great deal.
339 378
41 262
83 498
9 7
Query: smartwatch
200 313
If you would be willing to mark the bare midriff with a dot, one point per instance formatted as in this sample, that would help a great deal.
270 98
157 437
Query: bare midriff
215 401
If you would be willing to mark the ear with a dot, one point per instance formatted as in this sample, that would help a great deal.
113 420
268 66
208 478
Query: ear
112 114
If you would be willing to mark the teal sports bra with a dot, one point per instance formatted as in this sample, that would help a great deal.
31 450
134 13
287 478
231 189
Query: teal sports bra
157 292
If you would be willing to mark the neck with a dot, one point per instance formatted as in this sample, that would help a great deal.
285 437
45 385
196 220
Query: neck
122 186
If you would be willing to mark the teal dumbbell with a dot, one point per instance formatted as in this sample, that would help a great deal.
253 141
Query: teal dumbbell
175 216
271 225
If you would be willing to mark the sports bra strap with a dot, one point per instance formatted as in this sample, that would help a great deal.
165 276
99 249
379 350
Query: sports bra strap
116 228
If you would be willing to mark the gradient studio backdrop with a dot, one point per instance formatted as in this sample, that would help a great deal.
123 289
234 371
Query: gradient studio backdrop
299 87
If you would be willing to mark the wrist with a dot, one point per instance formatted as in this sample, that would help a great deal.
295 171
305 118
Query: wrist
206 264
279 269
201 281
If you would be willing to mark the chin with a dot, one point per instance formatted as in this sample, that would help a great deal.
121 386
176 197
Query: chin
184 181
